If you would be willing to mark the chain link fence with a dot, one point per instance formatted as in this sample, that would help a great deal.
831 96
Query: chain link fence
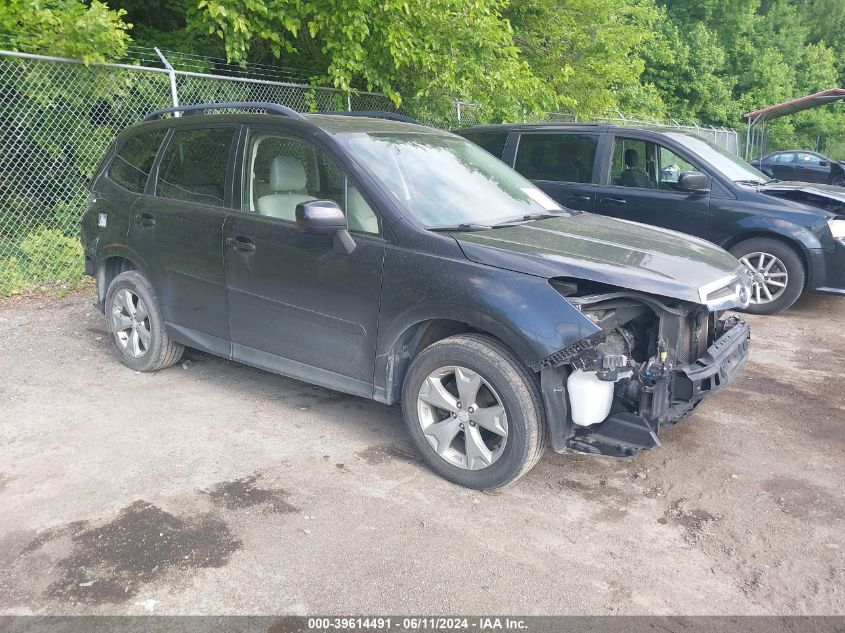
58 116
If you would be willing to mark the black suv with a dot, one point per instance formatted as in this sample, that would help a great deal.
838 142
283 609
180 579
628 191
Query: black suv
397 262
791 236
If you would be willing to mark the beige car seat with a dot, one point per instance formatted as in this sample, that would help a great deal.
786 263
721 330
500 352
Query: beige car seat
287 182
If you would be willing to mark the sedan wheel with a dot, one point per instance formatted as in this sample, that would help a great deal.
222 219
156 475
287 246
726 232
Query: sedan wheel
769 274
462 417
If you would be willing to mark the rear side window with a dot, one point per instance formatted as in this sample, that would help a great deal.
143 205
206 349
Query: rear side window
493 142
131 166
559 157
193 167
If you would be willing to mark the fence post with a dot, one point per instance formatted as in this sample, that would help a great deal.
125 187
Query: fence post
458 109
171 73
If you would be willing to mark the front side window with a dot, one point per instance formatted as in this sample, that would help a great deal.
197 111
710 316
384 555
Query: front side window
445 180
809 159
557 157
646 165
193 167
131 166
280 172
729 165
780 159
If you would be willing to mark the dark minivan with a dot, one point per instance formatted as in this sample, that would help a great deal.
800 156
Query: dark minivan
396 262
790 235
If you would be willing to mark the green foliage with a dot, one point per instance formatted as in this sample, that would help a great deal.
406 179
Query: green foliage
432 50
91 31
589 51
42 256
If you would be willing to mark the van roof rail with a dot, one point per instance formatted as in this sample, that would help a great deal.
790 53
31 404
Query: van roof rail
374 114
271 108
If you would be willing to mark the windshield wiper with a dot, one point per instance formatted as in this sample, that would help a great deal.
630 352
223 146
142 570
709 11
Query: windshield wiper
530 217
756 182
465 226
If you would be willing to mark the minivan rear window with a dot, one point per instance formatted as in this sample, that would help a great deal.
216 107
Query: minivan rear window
131 166
557 157
493 142
193 167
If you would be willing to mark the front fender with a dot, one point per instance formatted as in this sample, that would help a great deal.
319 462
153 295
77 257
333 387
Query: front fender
779 228
523 311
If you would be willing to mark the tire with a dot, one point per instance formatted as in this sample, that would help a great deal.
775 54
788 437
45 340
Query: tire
141 343
787 261
838 180
502 381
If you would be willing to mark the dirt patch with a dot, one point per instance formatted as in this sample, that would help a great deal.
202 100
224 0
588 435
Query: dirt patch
375 455
245 493
111 562
803 500
4 481
693 520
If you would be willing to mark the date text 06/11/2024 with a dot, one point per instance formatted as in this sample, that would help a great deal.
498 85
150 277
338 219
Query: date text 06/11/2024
373 624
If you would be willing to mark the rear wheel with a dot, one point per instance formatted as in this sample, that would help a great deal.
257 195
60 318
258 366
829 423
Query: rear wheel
474 411
777 271
135 325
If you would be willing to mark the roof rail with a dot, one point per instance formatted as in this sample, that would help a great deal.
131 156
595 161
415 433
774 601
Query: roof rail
374 114
272 108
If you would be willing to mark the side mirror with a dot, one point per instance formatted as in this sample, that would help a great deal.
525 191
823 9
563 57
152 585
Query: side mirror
824 163
320 217
694 182
324 217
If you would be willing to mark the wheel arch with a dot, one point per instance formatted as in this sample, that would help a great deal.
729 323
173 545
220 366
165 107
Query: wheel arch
393 362
111 263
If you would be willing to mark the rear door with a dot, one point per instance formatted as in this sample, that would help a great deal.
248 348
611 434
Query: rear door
179 232
640 183
783 166
562 164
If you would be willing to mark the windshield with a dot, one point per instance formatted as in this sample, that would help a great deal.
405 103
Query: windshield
448 181
728 164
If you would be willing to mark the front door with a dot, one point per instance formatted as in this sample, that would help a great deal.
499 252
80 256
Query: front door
812 167
182 227
297 305
561 164
640 183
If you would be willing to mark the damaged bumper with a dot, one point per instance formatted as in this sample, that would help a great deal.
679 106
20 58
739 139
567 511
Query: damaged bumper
664 394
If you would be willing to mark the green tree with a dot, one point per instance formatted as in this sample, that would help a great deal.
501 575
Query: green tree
431 50
88 31
589 51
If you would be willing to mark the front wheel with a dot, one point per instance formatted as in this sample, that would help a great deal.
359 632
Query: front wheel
777 271
474 411
838 180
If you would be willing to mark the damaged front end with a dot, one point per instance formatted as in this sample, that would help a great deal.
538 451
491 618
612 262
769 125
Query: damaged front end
653 361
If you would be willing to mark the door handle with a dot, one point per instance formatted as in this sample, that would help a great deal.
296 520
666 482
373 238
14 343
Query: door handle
612 200
145 219
241 243
582 198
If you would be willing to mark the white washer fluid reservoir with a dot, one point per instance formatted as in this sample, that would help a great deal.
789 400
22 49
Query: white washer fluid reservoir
589 397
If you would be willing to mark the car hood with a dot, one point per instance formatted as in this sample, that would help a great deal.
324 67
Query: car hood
606 250
831 192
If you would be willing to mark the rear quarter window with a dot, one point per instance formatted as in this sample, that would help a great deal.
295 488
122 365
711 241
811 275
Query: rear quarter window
130 167
493 142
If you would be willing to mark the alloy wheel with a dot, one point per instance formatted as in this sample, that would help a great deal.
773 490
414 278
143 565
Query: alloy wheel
130 322
769 276
462 417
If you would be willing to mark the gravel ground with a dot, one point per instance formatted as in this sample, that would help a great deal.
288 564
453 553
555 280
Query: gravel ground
215 488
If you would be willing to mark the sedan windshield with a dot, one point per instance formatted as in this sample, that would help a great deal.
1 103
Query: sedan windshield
447 181
728 164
